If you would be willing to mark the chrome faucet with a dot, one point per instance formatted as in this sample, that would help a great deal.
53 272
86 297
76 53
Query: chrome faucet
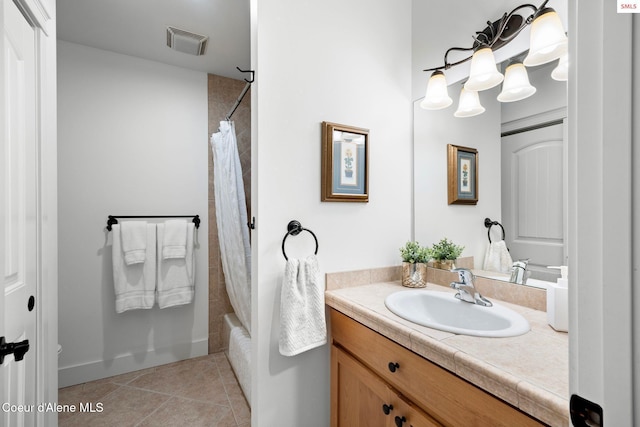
466 291
519 273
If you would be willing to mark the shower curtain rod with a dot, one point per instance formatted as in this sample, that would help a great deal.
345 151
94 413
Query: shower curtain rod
242 94
113 218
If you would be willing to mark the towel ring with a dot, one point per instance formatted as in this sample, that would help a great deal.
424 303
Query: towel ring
488 223
294 228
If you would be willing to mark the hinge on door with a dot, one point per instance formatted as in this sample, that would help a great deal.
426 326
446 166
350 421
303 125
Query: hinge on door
584 413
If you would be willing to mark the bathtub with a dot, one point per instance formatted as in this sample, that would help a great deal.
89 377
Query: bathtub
237 342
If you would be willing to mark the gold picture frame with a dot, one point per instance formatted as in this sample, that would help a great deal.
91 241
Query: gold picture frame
345 163
462 171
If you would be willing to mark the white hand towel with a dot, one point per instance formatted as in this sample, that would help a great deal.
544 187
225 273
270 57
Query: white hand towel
134 241
176 276
302 319
174 242
134 284
497 257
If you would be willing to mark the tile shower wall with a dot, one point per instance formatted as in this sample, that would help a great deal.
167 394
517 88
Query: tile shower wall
223 93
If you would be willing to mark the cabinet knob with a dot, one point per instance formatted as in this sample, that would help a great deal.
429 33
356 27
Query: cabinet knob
400 421
393 366
387 409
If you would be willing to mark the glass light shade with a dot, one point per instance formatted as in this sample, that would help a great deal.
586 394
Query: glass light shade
516 84
561 72
548 40
469 104
484 74
437 96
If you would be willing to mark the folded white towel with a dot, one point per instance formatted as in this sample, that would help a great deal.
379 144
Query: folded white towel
174 242
302 319
176 276
134 284
134 241
497 257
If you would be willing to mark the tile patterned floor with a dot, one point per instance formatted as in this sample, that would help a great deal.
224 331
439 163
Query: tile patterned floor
195 392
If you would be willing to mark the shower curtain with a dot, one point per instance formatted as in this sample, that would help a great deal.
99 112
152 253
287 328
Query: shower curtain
231 217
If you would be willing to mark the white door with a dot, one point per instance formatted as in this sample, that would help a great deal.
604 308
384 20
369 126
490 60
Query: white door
18 210
533 202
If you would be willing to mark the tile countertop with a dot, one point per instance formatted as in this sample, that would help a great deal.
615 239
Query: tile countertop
530 371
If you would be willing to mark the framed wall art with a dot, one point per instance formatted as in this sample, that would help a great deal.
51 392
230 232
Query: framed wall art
462 170
345 163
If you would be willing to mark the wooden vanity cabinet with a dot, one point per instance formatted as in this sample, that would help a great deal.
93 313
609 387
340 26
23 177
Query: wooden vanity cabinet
362 399
368 371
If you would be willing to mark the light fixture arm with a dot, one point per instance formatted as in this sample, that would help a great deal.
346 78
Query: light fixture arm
495 35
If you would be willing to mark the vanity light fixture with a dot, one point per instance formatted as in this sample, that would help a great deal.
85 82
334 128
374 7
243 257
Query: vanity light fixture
437 96
484 72
516 84
561 72
548 42
469 104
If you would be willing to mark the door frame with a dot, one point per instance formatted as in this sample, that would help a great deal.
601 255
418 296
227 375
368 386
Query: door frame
41 15
602 243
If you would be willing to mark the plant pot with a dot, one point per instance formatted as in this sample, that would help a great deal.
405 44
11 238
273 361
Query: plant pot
414 275
444 264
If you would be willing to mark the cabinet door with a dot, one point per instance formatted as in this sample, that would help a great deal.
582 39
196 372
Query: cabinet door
359 398
357 395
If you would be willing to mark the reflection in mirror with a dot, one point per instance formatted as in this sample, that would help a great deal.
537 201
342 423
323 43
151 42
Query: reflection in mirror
522 181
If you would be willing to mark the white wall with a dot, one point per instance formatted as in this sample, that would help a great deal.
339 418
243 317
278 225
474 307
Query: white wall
434 218
345 62
132 141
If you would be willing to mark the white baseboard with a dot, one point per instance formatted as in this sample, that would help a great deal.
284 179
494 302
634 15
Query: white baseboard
123 364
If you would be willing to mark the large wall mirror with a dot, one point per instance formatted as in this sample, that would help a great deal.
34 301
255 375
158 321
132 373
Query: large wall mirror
522 173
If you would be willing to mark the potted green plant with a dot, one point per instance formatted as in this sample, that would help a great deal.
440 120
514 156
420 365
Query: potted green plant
414 264
444 254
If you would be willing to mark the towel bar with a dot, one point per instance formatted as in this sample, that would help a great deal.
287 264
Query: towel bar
113 218
294 228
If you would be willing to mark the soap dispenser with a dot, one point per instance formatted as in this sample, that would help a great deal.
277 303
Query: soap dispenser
558 301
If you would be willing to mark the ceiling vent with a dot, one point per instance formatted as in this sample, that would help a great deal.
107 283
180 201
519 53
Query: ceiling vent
186 42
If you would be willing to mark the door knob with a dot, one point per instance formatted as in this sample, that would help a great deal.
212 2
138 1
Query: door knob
18 349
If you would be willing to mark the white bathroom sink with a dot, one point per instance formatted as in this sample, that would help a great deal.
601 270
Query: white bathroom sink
441 310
